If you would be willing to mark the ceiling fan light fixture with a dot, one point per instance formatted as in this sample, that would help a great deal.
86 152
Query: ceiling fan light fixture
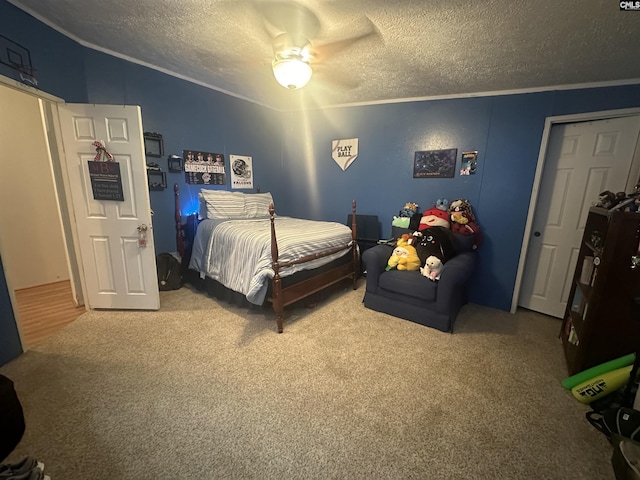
292 73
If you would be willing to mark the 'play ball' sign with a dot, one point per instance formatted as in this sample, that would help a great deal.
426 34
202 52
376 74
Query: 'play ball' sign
344 152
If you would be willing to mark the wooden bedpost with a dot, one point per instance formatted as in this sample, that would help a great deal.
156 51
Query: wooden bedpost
276 294
178 218
354 246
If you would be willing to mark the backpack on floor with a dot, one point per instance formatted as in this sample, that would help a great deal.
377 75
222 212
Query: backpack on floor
621 421
11 418
169 272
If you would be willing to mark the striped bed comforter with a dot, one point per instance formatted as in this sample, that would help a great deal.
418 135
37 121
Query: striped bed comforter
237 253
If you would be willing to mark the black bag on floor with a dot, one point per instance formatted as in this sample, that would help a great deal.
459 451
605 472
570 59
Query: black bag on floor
169 272
621 421
11 418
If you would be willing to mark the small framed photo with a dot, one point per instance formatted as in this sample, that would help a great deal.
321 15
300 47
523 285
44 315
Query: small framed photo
435 163
469 163
153 146
157 179
175 163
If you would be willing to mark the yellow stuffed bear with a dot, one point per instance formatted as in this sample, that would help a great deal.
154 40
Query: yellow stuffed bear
404 256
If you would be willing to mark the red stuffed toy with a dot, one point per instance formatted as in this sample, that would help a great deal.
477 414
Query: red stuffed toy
463 221
434 217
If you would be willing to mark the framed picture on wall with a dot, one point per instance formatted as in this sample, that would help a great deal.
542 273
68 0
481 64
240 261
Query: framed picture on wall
241 171
435 163
469 163
204 167
153 145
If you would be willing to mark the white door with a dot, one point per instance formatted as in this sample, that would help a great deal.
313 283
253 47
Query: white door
119 272
583 159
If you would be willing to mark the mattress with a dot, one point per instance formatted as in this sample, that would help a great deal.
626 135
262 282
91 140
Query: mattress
237 253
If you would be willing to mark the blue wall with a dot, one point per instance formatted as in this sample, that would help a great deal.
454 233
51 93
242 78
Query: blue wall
506 131
292 151
189 117
57 59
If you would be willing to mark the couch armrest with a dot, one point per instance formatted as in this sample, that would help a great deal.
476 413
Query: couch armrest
375 261
453 280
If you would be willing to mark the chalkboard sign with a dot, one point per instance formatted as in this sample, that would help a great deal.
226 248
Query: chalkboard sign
106 181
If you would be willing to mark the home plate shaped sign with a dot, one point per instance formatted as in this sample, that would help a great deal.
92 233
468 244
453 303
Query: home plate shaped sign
344 152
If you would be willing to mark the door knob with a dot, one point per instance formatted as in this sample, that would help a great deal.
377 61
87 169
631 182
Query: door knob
142 235
536 234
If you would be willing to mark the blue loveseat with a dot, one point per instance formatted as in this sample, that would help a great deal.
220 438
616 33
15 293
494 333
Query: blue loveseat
411 296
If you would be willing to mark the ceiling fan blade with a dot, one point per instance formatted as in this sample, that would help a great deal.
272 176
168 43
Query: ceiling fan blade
249 19
289 16
328 50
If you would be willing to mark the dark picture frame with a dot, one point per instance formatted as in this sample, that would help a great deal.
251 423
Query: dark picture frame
157 179
469 163
153 144
175 163
435 163
207 168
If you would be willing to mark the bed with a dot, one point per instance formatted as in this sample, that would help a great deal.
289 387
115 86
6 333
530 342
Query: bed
233 243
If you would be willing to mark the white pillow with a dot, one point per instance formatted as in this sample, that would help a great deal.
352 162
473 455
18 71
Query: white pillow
221 204
257 204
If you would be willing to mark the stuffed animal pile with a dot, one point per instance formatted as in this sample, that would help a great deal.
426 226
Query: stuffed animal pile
432 243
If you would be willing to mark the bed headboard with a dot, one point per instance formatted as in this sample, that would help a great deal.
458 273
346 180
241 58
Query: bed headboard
185 230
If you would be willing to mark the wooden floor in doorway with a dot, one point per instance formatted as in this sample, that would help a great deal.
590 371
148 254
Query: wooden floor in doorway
45 309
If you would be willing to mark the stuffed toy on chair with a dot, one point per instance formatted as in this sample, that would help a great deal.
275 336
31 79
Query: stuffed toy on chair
436 241
432 268
434 217
404 256
403 220
409 209
463 220
442 204
462 205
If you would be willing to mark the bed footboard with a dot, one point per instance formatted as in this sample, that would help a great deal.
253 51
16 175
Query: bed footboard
281 297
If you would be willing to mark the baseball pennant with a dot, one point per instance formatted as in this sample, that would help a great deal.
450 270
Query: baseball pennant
344 152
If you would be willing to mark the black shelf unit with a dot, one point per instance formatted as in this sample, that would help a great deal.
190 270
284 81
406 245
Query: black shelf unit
598 324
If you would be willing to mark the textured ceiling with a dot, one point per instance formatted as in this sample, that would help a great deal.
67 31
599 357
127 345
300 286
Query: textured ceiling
423 49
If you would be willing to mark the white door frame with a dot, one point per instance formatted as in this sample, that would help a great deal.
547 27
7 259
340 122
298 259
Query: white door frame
66 215
544 144
76 268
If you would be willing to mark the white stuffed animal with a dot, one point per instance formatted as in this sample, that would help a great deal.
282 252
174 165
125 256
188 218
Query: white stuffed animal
432 268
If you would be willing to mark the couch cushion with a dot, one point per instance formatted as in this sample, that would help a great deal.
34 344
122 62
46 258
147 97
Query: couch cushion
412 284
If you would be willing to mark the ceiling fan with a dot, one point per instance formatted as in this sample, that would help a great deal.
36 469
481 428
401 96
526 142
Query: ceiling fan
292 27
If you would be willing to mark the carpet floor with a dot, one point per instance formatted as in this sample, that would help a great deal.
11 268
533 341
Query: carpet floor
205 390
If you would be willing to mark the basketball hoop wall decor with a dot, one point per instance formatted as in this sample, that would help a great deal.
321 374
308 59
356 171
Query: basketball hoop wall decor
17 57
344 152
